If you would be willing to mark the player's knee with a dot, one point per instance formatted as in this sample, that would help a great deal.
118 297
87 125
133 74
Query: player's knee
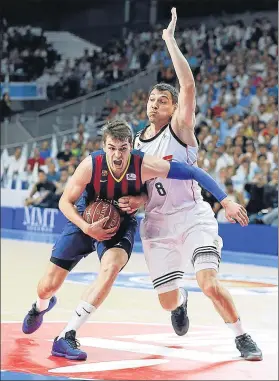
113 261
51 281
47 286
208 283
111 269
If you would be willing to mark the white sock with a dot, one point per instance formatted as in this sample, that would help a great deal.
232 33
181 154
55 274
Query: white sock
81 314
181 298
42 304
236 328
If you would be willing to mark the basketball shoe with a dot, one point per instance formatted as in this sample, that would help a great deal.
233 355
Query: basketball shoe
68 347
179 318
33 320
248 348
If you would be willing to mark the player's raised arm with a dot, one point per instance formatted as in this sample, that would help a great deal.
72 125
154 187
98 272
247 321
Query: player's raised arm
183 120
73 190
154 167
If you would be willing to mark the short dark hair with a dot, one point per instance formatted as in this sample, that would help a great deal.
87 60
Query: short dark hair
41 171
166 87
119 130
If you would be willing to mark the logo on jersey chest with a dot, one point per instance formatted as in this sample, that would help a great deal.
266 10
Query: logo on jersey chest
104 172
131 176
104 176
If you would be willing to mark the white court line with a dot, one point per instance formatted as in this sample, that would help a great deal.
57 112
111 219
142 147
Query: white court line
213 327
108 365
92 322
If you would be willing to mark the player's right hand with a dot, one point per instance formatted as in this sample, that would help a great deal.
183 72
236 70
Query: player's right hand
96 230
169 32
236 212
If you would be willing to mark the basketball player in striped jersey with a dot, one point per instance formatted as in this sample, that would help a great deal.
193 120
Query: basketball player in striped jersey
179 227
110 175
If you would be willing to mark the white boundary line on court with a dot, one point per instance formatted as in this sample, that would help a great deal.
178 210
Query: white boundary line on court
110 322
213 327
94 322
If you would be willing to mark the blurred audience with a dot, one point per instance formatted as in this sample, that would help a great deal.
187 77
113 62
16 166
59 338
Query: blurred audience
235 70
5 108
42 192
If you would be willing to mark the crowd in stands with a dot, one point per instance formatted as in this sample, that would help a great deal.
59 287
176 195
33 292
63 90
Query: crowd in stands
235 69
25 54
28 56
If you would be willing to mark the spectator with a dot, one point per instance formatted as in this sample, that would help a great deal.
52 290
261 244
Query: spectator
42 192
35 159
271 192
52 174
63 157
256 192
15 164
81 136
5 107
97 144
60 186
75 148
71 170
45 152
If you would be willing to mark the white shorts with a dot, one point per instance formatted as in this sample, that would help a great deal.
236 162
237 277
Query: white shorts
171 242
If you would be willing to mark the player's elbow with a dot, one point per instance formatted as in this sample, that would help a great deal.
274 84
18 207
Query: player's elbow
188 89
159 169
62 203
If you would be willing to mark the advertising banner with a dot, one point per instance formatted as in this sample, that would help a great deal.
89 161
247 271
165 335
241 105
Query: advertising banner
24 91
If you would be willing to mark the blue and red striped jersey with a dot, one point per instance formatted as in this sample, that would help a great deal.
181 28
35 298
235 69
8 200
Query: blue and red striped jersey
104 186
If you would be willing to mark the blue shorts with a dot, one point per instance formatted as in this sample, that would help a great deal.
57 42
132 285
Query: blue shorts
73 244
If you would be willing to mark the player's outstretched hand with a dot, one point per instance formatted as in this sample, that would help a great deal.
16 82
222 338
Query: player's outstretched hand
236 212
97 231
169 32
130 204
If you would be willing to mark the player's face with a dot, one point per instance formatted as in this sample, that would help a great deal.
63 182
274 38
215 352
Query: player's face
160 107
118 153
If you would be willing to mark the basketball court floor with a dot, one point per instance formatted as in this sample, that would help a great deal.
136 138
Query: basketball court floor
130 337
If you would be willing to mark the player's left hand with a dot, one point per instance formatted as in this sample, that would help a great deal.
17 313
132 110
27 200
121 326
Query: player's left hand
236 212
169 32
130 204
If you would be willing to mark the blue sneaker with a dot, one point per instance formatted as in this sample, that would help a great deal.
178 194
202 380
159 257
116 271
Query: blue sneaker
33 320
179 318
68 347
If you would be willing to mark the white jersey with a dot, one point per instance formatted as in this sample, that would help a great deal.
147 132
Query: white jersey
168 196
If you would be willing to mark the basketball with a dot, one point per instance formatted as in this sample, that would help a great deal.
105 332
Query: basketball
101 209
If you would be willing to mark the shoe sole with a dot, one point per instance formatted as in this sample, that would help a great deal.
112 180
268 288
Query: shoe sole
43 313
78 358
253 358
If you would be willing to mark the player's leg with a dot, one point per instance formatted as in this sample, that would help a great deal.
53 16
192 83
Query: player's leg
71 246
163 259
113 254
112 262
205 245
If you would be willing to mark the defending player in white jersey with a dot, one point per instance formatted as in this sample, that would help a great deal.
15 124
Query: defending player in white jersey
179 226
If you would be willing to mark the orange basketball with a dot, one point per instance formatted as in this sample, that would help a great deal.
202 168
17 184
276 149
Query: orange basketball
100 209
